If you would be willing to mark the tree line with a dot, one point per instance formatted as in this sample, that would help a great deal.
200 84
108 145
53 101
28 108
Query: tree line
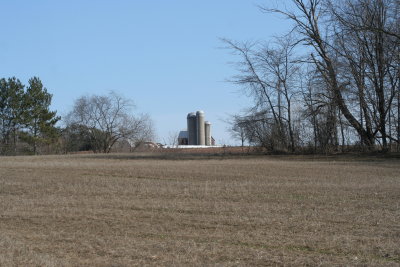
332 83
96 123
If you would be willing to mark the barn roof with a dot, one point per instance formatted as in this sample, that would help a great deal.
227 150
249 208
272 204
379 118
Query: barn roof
183 134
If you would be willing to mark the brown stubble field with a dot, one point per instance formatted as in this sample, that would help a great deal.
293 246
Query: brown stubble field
79 210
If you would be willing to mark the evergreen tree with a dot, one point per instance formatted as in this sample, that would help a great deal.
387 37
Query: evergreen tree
38 119
11 109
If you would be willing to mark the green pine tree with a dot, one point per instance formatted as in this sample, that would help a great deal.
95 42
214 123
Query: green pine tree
11 110
39 120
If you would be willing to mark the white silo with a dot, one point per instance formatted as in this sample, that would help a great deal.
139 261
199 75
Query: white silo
207 126
201 140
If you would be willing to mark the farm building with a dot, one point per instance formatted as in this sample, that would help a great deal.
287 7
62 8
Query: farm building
198 131
183 138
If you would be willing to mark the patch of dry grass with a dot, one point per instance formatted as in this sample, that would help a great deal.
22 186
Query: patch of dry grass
81 210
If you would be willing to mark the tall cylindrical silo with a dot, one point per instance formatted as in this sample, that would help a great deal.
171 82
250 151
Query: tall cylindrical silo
207 126
201 140
192 128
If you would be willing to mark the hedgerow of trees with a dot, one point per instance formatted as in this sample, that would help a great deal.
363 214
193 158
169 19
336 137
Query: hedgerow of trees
330 84
96 123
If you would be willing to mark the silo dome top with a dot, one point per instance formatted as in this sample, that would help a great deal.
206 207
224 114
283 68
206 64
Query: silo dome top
191 114
200 112
207 122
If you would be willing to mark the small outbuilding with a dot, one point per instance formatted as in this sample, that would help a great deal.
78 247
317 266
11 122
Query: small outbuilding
183 138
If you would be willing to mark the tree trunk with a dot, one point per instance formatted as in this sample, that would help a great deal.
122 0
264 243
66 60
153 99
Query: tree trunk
331 76
398 118
341 131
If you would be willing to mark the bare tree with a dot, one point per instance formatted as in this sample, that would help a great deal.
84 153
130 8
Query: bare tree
269 73
238 129
108 118
361 21
351 91
320 109
330 30
172 138
369 54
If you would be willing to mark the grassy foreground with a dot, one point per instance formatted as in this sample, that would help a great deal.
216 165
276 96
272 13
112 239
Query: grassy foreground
121 211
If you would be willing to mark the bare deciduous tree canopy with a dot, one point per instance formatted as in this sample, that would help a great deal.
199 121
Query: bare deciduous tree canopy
108 119
348 78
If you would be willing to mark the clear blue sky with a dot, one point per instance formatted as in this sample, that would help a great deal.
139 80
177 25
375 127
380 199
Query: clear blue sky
164 55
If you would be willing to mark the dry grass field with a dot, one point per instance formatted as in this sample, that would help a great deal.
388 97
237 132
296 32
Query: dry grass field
123 210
